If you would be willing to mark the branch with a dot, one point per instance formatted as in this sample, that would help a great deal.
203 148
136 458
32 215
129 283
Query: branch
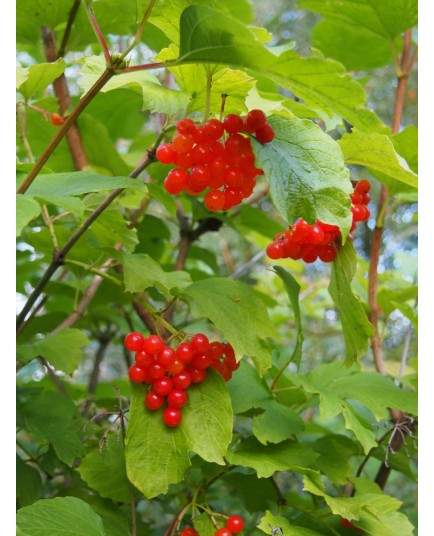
69 24
62 93
63 129
59 256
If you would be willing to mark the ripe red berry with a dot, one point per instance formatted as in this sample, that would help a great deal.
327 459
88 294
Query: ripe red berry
363 186
201 361
216 350
327 253
197 376
56 119
166 154
153 344
163 386
176 181
181 380
137 374
256 119
176 366
265 134
213 129
188 531
235 524
153 401
166 356
134 341
172 417
177 398
233 123
185 126
143 359
275 250
156 371
183 143
185 352
214 200
199 342
224 531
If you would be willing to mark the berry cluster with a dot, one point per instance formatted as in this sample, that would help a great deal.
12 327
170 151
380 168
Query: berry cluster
234 525
310 242
226 166
170 371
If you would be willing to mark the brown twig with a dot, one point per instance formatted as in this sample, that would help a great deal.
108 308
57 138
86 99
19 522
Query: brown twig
62 93
69 24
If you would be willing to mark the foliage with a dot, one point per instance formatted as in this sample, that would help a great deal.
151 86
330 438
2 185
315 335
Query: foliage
307 431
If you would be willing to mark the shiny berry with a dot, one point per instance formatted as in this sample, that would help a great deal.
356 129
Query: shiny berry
181 380
233 123
134 341
199 342
166 154
177 398
137 374
163 386
176 181
172 417
256 119
56 119
153 401
214 200
235 524
186 126
265 134
153 344
223 532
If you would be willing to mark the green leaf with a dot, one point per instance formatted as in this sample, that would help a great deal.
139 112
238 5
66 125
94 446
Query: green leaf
156 97
104 471
68 516
293 290
360 429
376 151
157 456
64 349
306 172
355 325
27 209
269 524
204 525
276 423
77 183
387 297
225 303
387 18
207 418
37 77
141 272
209 36
406 145
29 483
335 452
246 388
357 48
69 204
265 460
254 492
43 415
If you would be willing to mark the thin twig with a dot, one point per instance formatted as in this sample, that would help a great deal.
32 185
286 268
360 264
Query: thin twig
69 24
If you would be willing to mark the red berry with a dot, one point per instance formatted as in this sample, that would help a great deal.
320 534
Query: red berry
213 129
186 126
181 380
275 250
153 401
184 160
316 235
214 200
143 359
235 524
188 531
256 119
153 344
199 177
163 386
222 369
166 356
233 123
223 532
185 352
363 186
183 143
216 350
327 253
172 417
234 177
199 342
201 361
137 374
166 154
197 376
309 254
134 341
177 398
265 134
233 197
176 181
202 153
156 371
176 366
56 119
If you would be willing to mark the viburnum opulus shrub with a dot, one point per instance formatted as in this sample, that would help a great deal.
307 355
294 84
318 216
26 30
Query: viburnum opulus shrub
216 268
